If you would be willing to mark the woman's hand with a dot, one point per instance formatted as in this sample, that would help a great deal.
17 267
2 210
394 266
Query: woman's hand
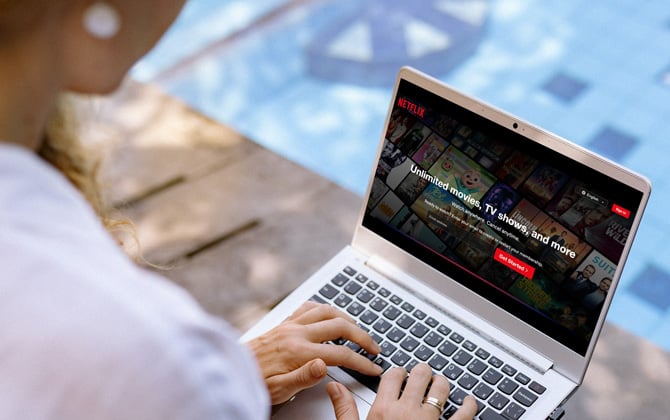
293 356
390 405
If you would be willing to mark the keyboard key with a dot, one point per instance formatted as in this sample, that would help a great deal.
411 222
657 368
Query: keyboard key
456 337
342 300
452 371
365 296
483 391
457 396
353 346
405 321
355 309
482 354
492 376
392 313
447 348
382 326
361 278
409 344
432 322
409 366
419 330
419 314
387 349
444 330
523 379
498 401
376 337
423 353
462 358
537 388
384 292
469 346
494 361
349 271
368 317
509 370
407 307
328 291
438 362
317 299
352 288
468 381
383 364
477 367
371 382
513 411
340 280
508 386
525 397
395 334
400 358
489 414
372 285
397 300
378 304
432 339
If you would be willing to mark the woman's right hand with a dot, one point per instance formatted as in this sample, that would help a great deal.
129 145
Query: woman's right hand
391 405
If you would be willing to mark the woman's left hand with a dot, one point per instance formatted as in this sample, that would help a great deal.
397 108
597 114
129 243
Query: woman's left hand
293 356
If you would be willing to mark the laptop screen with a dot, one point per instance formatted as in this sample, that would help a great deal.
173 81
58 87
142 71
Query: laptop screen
529 229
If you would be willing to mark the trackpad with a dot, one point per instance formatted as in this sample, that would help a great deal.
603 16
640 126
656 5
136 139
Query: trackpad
314 403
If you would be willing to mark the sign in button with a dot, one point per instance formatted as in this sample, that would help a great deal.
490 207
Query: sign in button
510 261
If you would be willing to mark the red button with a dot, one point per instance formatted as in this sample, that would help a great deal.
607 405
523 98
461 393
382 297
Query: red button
617 209
514 263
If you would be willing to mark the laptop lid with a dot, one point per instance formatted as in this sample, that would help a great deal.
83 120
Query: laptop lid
522 228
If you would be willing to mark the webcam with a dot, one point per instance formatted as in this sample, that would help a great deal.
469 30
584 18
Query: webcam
515 126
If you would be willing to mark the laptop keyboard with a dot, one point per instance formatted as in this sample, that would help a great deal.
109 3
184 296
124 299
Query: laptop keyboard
408 336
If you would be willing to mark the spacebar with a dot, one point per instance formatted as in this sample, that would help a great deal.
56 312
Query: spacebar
371 382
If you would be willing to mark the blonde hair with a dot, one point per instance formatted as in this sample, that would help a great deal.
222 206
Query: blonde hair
61 148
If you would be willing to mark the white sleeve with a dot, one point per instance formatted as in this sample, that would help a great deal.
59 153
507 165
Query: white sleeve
88 335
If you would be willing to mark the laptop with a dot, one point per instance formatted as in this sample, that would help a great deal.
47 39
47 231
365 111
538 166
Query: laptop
486 247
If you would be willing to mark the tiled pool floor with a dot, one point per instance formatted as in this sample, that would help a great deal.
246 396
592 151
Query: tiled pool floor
311 80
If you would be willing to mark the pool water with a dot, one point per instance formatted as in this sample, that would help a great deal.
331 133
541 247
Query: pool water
311 80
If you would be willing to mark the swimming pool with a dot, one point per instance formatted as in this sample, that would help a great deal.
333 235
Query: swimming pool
311 80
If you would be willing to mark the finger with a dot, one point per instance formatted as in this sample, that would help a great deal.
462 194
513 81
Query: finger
344 356
283 387
439 388
320 312
335 328
343 402
417 383
390 385
467 411
305 307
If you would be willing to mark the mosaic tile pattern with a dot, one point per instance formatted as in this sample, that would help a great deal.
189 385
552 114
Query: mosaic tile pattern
653 287
613 143
564 87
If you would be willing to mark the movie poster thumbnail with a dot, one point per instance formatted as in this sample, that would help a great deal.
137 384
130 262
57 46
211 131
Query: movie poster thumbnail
589 284
399 124
378 190
411 142
469 179
387 207
410 188
543 184
390 158
516 168
501 198
429 151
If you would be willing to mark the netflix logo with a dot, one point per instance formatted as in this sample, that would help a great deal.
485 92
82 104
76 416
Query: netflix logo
413 108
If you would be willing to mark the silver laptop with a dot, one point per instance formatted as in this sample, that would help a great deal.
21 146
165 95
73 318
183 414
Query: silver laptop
486 247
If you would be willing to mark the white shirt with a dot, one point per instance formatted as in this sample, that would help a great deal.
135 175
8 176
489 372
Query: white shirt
86 334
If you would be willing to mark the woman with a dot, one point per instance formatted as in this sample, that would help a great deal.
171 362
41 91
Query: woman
85 333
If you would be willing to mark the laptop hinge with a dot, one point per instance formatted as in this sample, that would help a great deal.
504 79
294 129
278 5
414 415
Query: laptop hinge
458 314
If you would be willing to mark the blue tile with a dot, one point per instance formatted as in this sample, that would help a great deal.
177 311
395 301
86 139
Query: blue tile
653 286
613 143
565 87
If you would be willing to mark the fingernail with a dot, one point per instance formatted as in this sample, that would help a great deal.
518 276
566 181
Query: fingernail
316 369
